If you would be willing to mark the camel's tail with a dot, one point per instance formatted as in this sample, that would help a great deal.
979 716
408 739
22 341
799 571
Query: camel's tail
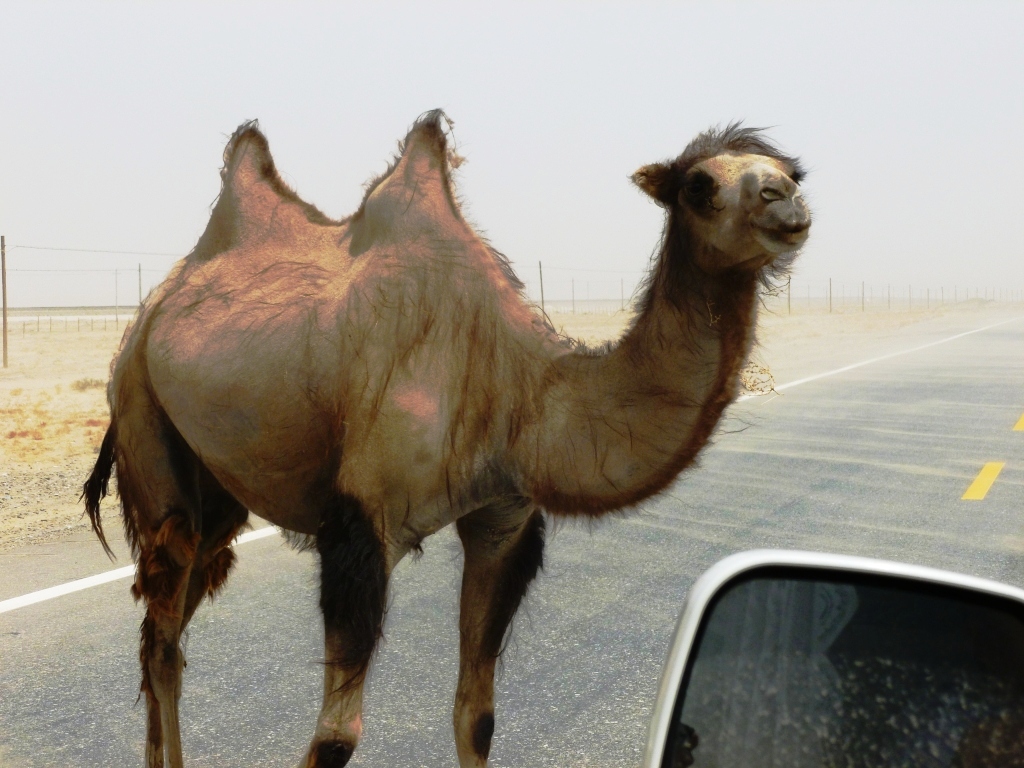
96 486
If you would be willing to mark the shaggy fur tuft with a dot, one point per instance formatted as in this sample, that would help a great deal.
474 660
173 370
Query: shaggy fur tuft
95 487
353 585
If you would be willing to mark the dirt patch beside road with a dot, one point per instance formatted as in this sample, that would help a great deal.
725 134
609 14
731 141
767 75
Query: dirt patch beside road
53 414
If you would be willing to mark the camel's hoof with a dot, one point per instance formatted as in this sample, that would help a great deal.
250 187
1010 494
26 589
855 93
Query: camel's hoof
331 754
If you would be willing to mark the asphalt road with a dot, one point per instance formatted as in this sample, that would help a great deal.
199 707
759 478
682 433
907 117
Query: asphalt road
873 461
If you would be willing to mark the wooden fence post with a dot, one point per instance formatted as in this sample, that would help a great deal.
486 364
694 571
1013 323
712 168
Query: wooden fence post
3 268
540 267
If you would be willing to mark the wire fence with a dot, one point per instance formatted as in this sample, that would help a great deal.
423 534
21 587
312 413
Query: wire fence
52 298
50 320
793 299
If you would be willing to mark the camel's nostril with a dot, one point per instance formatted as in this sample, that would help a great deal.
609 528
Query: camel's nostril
771 194
788 219
795 227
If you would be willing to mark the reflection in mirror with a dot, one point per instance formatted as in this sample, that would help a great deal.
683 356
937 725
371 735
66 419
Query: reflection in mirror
799 672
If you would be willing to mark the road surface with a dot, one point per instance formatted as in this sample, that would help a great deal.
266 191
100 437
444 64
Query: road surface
870 461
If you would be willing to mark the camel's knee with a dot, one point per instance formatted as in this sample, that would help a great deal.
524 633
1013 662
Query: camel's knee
353 587
165 560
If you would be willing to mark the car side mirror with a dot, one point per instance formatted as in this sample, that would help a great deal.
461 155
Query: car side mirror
801 659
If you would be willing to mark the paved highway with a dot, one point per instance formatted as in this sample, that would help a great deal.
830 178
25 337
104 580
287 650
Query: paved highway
871 461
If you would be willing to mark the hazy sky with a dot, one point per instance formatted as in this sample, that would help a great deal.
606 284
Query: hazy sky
910 116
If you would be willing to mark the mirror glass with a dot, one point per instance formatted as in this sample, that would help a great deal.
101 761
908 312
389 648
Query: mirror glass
799 669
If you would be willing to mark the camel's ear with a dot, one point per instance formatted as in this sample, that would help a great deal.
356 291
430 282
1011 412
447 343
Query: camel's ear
657 180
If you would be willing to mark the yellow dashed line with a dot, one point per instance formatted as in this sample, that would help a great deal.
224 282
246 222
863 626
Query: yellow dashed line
984 481
1019 426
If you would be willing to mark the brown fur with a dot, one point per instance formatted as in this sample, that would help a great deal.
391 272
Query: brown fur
158 576
364 382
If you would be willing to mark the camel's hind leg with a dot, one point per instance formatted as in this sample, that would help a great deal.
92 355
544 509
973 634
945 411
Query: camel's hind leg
182 569
164 569
504 549
161 486
353 591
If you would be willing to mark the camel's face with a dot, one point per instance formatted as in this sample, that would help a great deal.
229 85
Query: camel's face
746 208
739 202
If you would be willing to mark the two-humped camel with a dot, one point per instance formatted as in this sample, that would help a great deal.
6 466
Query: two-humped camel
367 382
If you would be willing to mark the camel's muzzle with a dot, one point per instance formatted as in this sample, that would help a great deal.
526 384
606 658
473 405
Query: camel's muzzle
783 224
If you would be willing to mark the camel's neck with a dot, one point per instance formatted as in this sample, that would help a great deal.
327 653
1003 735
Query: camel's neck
617 427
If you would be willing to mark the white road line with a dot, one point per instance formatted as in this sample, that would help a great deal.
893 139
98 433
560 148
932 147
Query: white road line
862 363
102 578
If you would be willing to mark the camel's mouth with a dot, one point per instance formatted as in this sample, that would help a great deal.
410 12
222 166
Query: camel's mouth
782 239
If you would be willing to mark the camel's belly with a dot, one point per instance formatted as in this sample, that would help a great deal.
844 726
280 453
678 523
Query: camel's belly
281 462
273 473
267 456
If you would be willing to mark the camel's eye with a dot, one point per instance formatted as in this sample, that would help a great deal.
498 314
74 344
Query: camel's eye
699 190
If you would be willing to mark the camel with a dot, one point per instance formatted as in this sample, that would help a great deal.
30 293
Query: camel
366 382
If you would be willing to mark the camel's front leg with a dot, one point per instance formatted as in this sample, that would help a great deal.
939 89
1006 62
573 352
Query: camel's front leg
504 548
353 591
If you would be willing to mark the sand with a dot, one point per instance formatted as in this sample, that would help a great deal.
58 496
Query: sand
53 414
53 410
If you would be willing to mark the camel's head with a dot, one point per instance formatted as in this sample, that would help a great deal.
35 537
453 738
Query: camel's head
734 198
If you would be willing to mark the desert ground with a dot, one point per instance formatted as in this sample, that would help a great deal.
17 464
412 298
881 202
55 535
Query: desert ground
53 410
